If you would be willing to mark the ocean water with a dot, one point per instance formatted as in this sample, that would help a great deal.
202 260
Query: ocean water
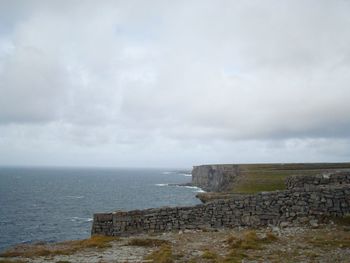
56 204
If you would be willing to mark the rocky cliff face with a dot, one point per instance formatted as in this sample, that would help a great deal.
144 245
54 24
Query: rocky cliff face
215 178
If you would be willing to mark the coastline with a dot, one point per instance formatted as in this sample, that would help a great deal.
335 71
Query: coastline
325 240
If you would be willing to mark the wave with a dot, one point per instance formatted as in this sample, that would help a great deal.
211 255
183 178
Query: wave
162 184
168 172
186 174
75 196
197 189
80 219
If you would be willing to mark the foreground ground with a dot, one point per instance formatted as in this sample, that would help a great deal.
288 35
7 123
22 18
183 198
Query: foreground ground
320 243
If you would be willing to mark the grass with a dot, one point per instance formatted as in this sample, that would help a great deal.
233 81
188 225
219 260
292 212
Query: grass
96 241
62 248
210 255
339 238
324 242
248 241
163 255
254 178
11 261
270 237
147 242
240 247
235 257
269 177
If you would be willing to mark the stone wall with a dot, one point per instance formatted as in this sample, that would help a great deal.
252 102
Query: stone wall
215 178
292 206
302 181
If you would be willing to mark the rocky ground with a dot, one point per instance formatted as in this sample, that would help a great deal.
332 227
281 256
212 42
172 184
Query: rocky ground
320 243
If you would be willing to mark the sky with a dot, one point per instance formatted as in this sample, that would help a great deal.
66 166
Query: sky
174 83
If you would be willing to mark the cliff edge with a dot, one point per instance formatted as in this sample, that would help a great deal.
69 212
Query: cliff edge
254 178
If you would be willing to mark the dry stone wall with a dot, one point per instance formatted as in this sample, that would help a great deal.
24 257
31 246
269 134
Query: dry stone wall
301 181
293 206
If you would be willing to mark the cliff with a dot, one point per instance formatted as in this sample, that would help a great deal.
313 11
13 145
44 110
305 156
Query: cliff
254 178
215 178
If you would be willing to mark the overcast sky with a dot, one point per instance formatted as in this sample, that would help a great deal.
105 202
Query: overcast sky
174 83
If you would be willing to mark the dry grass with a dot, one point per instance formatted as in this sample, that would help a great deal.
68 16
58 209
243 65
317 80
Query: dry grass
249 240
210 255
324 242
95 242
245 245
147 242
270 237
62 248
235 257
330 240
27 251
11 261
163 255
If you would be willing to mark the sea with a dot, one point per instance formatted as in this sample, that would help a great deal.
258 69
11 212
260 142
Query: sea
57 204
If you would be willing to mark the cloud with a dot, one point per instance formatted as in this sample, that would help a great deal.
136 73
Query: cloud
130 74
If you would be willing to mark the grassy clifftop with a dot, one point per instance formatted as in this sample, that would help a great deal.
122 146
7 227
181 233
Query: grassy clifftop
268 177
253 178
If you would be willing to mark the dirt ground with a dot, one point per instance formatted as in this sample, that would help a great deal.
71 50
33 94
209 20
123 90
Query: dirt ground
322 243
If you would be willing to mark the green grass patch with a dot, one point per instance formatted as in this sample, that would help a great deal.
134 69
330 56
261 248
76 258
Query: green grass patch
270 177
251 187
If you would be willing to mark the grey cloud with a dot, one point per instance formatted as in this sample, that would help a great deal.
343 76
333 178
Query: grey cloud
31 87
126 73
